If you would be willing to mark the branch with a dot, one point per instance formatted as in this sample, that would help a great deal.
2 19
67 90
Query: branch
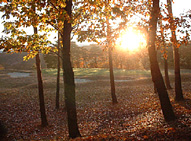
48 22
52 25
56 53
80 11
54 6
75 30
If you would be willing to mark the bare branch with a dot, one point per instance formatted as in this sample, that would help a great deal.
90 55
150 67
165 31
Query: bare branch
56 54
54 6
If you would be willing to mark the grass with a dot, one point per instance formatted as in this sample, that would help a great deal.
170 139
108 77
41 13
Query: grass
182 71
105 72
100 72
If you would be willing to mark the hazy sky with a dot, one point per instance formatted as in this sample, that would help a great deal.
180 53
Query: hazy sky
179 6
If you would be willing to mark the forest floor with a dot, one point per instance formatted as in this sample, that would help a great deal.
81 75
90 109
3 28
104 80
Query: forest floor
137 116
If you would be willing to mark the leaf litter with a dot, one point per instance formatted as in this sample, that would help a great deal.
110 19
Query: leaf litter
137 116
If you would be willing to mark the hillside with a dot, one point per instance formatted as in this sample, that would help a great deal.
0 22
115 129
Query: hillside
15 61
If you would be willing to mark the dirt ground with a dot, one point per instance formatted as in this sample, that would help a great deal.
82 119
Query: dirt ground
137 116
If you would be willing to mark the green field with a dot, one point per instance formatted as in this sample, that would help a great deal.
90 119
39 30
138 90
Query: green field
100 72
105 72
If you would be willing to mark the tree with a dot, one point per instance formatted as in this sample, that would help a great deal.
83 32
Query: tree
102 15
68 75
76 55
85 56
185 59
18 42
167 80
109 46
155 71
59 15
58 74
178 85
51 60
44 121
3 131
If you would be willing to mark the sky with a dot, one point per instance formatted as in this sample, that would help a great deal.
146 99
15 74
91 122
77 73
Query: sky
179 6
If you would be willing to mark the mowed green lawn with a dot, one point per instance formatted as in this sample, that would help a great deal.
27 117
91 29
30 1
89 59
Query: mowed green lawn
100 72
105 72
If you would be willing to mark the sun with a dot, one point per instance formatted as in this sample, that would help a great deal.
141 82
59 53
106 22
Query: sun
131 40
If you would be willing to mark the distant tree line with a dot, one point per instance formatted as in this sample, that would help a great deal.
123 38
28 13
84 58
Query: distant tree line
94 56
15 61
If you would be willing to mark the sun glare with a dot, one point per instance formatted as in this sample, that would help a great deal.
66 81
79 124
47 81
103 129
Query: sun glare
131 40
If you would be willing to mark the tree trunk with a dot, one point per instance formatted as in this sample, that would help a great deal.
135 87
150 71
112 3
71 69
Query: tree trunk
112 82
155 89
167 80
58 74
68 77
84 63
95 62
121 64
155 71
44 121
178 85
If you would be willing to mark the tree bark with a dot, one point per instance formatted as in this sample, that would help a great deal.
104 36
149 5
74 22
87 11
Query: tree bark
155 89
155 71
178 85
112 82
58 75
44 121
68 76
167 80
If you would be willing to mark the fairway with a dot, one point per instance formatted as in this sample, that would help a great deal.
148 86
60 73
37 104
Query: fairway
100 72
105 72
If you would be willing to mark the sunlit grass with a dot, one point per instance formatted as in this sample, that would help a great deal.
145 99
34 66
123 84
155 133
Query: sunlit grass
100 72
105 72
